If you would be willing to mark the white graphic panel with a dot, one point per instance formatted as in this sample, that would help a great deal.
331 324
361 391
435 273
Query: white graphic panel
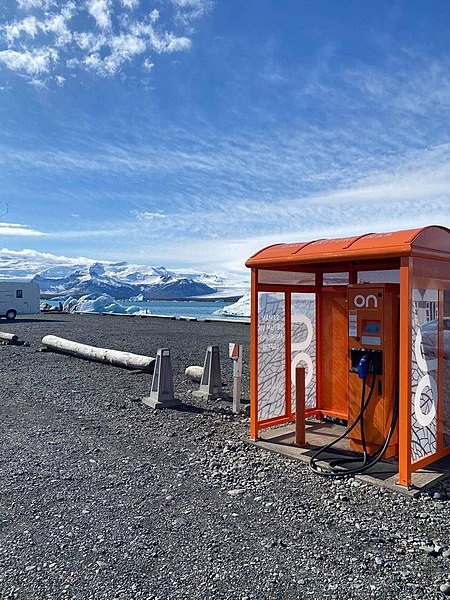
446 369
271 355
424 389
303 344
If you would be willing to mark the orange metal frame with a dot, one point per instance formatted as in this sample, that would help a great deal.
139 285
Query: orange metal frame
350 255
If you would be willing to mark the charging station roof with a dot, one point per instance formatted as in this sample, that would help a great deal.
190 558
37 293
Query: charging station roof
431 241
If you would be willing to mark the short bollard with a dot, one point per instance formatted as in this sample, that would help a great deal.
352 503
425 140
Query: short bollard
211 381
161 391
235 353
300 374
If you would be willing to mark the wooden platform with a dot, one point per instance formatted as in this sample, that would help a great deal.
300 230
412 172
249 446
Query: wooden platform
318 434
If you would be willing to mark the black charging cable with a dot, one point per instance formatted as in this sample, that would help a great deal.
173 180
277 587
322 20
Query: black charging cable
333 466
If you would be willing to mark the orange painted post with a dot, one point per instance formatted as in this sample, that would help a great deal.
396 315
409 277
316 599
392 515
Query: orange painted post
300 391
254 356
404 428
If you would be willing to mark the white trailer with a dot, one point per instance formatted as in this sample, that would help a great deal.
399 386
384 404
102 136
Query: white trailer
19 298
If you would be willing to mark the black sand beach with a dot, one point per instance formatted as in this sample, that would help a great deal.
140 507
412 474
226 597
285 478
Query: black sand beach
102 497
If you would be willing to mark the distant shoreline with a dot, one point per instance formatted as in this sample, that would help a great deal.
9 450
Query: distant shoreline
188 299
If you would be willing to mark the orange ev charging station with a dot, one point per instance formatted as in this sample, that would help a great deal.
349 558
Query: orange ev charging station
367 318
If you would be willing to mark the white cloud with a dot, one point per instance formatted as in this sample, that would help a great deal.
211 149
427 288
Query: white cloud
189 10
89 41
131 4
44 258
28 25
101 11
148 64
149 216
161 43
17 229
94 62
31 62
123 48
57 25
37 83
189 3
32 44
60 80
33 4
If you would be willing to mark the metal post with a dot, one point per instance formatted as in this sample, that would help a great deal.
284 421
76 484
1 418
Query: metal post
300 437
235 352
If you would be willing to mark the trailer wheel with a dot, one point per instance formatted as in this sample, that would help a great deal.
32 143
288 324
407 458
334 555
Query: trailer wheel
11 315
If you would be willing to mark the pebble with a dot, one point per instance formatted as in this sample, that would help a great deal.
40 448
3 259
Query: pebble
445 589
236 492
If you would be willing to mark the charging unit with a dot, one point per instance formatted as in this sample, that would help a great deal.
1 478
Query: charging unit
363 319
373 333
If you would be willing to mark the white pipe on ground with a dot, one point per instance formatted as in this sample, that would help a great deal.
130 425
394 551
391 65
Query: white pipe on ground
104 355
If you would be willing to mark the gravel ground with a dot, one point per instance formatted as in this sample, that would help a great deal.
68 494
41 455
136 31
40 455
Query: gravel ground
103 497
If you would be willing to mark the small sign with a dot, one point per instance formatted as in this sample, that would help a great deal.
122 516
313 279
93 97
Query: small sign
352 330
233 351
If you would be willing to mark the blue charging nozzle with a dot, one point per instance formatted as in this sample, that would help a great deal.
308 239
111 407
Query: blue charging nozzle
363 367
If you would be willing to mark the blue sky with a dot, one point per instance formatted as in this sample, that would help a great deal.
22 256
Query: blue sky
190 133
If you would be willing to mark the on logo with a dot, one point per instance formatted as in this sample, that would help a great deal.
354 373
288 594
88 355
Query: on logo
363 301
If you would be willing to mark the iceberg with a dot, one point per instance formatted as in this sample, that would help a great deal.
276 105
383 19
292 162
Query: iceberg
241 308
93 303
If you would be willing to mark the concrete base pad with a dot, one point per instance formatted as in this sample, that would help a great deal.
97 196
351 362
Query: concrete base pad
156 404
384 474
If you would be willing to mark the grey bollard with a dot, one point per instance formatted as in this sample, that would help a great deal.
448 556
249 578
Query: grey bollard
161 391
211 381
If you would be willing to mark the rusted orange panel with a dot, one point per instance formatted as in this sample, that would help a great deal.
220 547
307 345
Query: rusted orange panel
333 339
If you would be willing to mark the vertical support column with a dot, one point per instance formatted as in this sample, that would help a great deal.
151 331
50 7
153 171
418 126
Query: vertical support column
254 356
288 353
404 427
319 352
300 392
440 373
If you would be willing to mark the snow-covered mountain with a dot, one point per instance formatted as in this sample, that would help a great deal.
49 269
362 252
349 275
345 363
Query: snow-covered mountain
59 275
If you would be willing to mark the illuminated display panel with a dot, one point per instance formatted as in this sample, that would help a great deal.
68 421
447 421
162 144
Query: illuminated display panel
372 327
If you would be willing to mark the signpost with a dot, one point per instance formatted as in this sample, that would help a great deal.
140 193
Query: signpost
235 353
